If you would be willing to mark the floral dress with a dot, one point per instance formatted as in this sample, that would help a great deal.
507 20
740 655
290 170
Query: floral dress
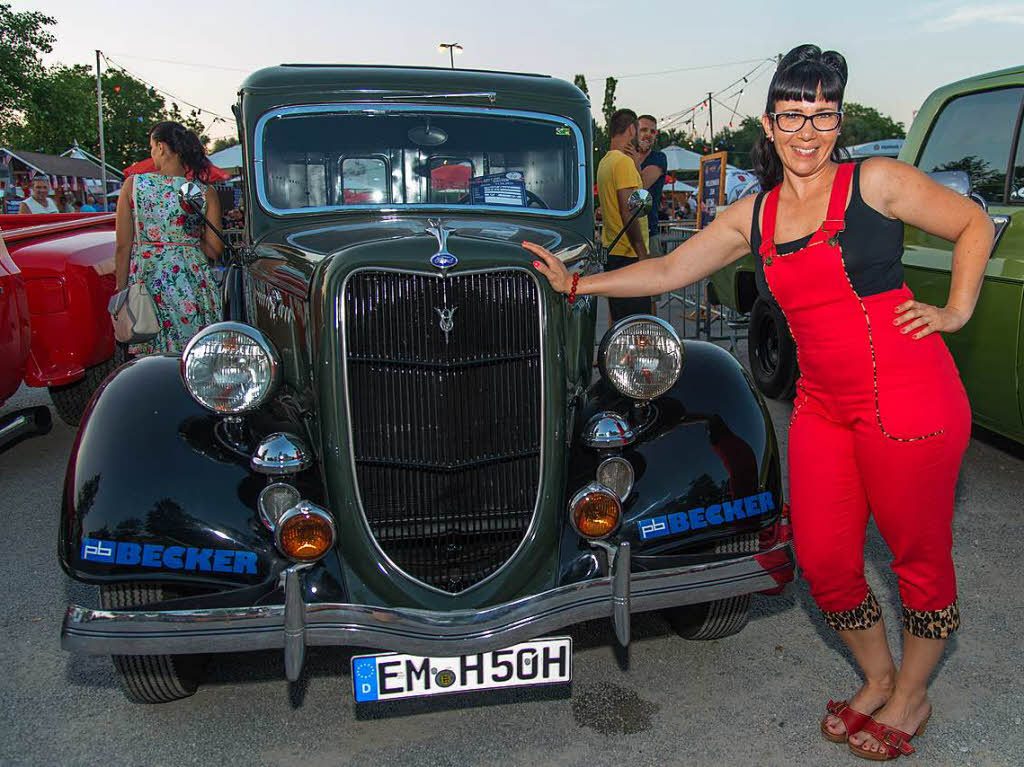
166 256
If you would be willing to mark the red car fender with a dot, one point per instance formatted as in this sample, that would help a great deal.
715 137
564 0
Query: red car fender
68 268
15 335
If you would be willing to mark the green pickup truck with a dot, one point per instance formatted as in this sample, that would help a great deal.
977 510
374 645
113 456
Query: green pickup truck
970 127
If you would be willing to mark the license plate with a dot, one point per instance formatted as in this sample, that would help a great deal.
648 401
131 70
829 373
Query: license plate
393 675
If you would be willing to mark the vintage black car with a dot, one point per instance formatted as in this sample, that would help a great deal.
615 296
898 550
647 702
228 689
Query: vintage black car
397 439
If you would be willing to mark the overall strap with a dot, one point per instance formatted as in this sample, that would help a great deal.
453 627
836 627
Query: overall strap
771 207
835 220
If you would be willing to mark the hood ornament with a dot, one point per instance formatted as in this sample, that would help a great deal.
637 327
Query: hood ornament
443 260
447 322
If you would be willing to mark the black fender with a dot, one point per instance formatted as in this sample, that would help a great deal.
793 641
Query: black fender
706 441
155 491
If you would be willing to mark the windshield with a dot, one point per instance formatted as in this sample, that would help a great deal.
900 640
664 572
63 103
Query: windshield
322 158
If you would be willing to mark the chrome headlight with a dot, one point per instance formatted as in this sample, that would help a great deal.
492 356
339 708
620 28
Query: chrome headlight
641 356
230 367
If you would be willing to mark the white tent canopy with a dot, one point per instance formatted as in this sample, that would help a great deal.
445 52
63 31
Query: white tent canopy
228 158
681 159
680 186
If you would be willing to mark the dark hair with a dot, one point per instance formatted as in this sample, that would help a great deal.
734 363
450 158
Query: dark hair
620 122
801 75
652 118
186 145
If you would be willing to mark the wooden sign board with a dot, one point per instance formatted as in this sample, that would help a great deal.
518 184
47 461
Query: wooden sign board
710 187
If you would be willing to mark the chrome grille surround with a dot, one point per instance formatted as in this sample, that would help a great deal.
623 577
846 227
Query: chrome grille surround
374 530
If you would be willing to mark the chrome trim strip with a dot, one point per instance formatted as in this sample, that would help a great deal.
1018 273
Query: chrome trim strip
16 425
420 632
544 383
382 108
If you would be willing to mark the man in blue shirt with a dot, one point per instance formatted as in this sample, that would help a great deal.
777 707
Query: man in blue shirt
653 167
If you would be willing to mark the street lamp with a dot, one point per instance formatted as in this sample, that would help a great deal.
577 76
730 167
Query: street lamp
452 49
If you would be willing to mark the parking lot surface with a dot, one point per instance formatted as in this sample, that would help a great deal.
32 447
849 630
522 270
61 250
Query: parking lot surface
752 699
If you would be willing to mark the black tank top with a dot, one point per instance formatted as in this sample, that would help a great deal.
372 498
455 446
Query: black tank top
872 246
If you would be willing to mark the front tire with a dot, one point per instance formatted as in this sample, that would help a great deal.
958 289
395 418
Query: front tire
151 678
771 351
71 399
722 617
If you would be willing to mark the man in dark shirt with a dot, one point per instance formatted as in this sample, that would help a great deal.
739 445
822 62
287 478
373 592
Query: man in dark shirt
653 167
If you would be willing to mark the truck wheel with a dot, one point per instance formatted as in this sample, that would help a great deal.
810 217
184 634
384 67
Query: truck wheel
151 678
723 617
772 351
70 400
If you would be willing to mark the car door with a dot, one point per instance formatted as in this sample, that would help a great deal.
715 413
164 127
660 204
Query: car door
978 132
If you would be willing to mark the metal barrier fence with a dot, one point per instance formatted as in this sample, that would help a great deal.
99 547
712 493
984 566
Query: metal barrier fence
687 309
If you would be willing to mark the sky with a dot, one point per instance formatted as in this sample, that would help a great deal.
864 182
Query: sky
666 56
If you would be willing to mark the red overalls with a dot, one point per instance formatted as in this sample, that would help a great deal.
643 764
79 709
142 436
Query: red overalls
880 424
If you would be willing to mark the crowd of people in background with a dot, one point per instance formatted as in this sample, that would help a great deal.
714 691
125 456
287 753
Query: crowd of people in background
42 199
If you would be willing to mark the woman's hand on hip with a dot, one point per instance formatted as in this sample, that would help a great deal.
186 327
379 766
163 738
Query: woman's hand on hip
927 319
550 266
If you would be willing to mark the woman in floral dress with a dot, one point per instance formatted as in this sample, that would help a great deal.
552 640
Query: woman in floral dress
162 246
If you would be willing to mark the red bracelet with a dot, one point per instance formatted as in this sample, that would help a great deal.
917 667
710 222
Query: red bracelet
572 293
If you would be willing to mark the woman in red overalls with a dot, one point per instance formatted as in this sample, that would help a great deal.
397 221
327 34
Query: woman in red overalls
881 419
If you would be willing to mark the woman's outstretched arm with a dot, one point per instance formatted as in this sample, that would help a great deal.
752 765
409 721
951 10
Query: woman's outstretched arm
705 253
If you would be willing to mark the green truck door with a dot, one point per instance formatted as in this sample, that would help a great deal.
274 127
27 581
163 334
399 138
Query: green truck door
975 132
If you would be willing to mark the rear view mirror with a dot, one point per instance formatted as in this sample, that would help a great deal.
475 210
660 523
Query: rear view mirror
191 197
960 182
957 180
640 202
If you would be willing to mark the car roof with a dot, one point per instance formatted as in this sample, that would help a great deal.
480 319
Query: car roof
364 79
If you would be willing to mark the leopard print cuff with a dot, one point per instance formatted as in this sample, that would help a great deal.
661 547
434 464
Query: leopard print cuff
932 624
863 616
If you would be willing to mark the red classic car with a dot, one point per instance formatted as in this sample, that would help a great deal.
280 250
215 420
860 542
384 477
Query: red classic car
66 263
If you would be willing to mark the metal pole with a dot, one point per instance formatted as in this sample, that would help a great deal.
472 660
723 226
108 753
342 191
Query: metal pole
711 122
451 55
103 150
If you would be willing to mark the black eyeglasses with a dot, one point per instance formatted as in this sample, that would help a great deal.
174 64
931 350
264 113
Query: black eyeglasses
792 122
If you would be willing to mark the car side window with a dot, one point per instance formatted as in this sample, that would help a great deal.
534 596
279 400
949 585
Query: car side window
974 133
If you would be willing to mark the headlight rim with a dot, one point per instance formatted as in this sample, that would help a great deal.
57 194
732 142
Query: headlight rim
602 351
261 340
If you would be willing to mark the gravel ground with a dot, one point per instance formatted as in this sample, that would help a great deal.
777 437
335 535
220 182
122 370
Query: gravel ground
752 699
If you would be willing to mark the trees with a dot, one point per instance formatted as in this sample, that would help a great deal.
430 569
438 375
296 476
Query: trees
59 108
223 143
23 37
861 123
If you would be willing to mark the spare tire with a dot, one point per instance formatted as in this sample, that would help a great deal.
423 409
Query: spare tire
771 351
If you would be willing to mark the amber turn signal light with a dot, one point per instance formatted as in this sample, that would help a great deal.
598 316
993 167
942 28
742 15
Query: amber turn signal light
595 512
305 532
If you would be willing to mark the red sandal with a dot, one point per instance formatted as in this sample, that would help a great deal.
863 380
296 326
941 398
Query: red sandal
895 743
854 721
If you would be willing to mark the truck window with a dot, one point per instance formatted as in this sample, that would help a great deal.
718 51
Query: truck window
974 133
364 180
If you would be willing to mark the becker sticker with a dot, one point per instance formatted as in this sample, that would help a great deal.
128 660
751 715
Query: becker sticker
695 519
168 557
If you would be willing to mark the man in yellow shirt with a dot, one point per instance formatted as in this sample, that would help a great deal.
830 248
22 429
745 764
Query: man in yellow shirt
617 178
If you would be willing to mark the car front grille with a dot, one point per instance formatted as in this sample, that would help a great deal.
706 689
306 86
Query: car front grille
444 388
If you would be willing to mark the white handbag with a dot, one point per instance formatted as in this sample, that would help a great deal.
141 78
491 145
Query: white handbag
134 314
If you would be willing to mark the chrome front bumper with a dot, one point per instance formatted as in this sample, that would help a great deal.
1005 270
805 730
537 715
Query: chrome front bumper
295 625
